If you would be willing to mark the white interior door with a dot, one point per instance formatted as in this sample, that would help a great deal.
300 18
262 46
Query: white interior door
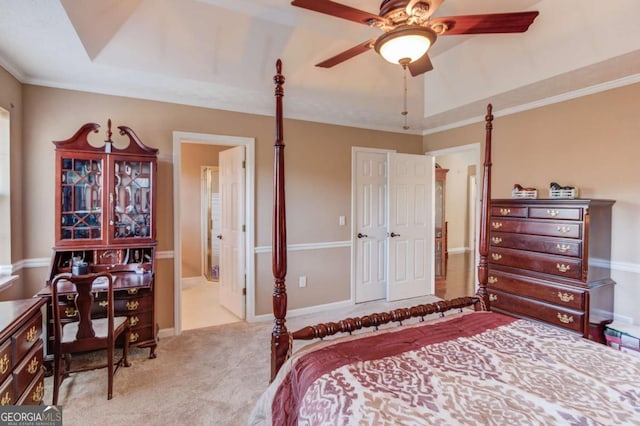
411 224
232 262
370 225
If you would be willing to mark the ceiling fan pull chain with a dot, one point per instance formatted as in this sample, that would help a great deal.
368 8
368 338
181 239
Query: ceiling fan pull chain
404 111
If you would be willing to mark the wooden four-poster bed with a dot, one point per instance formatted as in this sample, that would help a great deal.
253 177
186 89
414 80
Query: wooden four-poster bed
458 363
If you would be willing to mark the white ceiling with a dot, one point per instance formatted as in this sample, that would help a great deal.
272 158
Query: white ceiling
221 54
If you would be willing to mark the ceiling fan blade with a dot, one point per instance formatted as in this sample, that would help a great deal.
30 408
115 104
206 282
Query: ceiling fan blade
517 22
338 10
420 66
347 54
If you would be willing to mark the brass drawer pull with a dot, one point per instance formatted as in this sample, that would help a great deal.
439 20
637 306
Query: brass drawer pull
492 279
4 363
38 393
32 368
133 337
32 334
564 318
563 247
104 303
553 213
496 256
493 298
132 291
505 212
496 225
564 229
562 267
132 305
71 296
6 399
70 312
565 297
496 240
133 321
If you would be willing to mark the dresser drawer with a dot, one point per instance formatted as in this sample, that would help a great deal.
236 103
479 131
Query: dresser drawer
26 336
7 392
142 335
28 368
568 267
557 229
6 362
527 287
140 319
520 306
555 213
509 211
130 305
540 244
35 391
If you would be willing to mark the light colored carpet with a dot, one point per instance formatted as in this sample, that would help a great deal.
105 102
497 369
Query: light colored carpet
209 376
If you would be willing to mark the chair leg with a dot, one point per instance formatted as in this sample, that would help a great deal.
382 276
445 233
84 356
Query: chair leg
57 378
110 371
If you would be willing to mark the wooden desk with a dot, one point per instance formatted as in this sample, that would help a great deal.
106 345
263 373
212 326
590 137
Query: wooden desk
21 352
133 297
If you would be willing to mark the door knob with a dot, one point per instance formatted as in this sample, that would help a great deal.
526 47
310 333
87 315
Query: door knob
393 234
361 235
219 236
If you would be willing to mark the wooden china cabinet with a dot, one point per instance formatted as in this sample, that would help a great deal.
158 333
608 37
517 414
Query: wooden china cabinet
441 225
105 221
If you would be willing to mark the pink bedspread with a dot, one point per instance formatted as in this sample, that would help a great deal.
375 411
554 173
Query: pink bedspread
472 368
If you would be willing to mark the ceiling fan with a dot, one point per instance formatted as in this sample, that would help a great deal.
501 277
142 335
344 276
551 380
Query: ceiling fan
409 30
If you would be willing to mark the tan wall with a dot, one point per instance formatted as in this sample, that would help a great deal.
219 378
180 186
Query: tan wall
193 157
590 142
318 160
11 250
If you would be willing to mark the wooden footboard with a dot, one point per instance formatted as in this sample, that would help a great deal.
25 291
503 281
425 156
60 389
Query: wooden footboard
349 325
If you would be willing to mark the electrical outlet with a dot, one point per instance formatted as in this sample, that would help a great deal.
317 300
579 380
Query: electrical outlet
342 220
302 282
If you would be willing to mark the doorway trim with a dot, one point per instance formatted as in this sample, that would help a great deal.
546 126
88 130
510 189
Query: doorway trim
211 139
475 149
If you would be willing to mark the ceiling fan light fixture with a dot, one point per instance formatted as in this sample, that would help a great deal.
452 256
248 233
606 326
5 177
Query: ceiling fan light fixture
405 44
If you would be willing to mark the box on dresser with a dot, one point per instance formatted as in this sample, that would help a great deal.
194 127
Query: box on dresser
549 260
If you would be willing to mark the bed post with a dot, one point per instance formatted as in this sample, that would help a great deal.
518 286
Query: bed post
485 213
279 335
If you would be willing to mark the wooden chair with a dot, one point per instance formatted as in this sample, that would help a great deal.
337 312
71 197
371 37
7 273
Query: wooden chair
87 333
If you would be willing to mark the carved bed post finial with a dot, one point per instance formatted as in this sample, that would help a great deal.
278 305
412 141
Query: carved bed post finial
485 211
279 336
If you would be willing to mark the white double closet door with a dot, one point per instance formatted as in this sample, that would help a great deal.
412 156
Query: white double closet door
393 225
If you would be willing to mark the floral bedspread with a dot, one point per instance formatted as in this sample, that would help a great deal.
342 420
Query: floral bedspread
475 368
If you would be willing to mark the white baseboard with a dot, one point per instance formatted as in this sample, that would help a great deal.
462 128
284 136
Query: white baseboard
305 311
458 250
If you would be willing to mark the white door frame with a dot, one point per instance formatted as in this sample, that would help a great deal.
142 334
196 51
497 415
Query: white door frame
210 139
475 148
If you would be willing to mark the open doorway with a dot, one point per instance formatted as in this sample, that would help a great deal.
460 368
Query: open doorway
462 217
198 285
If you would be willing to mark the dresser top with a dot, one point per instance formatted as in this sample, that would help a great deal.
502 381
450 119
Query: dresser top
14 312
554 201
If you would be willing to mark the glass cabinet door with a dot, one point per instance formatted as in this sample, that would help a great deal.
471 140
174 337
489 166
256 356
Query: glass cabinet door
131 199
81 199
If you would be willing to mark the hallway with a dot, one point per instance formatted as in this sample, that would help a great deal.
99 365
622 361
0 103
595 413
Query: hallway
460 277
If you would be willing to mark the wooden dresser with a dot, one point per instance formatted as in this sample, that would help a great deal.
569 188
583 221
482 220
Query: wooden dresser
549 260
21 352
